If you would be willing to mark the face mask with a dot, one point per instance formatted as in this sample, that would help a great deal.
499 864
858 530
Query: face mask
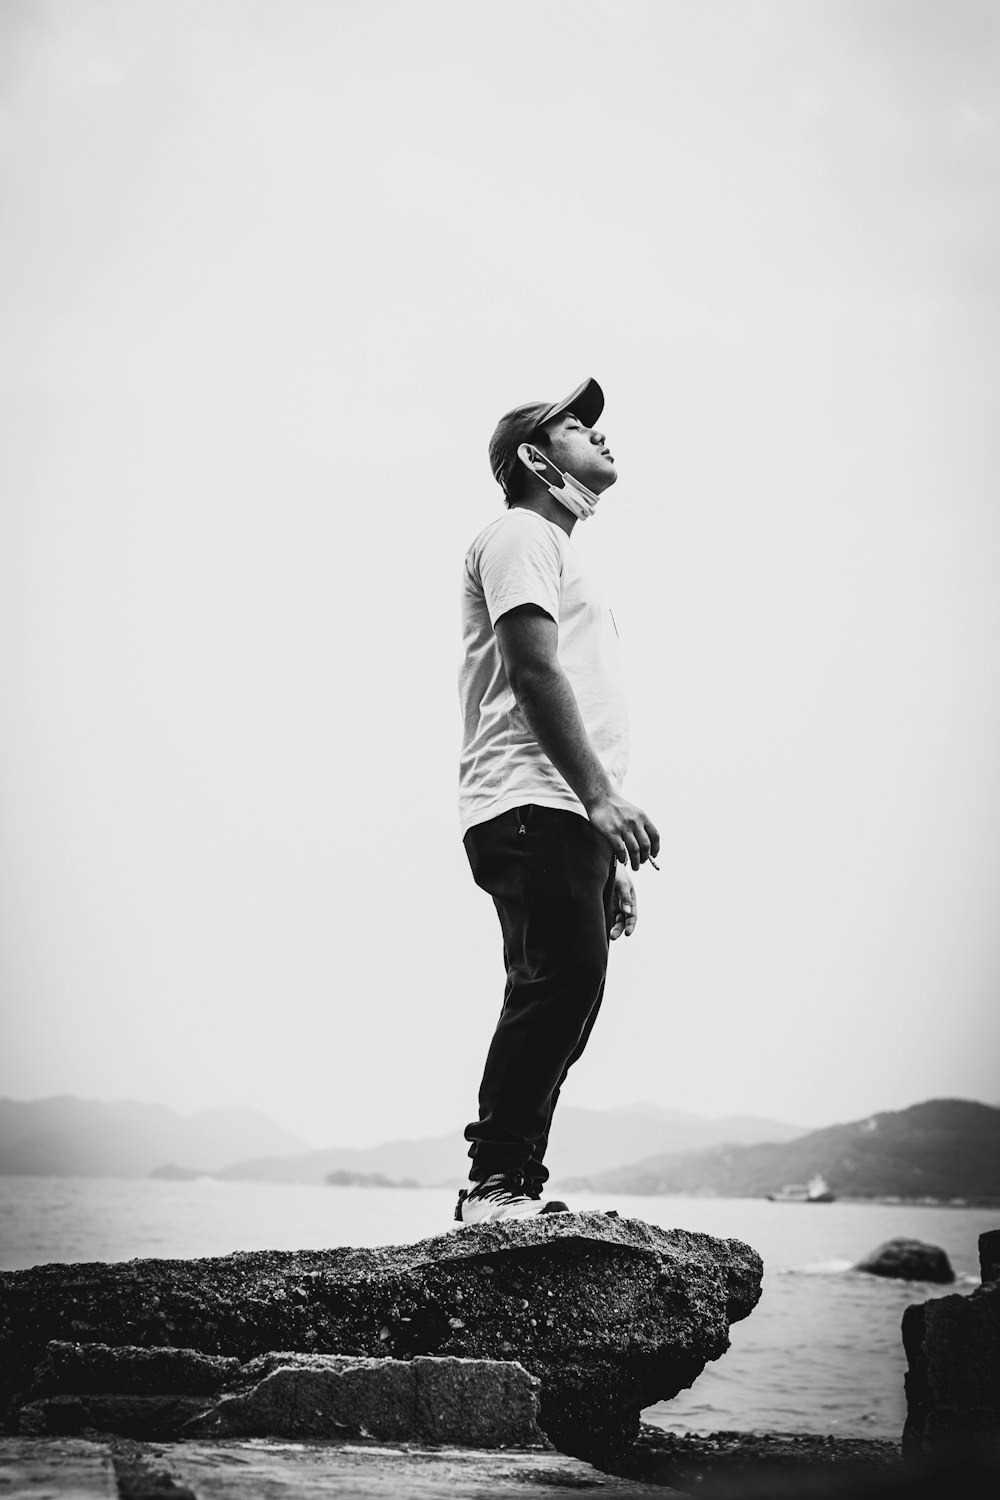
568 491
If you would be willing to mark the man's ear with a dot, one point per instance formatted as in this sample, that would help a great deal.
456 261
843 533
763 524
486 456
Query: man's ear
531 458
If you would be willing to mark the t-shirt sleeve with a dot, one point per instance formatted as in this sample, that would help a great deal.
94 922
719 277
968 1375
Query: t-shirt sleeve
520 563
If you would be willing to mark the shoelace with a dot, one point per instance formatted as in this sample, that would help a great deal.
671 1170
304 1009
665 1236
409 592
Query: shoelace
507 1188
501 1190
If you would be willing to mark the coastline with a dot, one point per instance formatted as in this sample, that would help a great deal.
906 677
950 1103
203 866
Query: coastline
99 1466
805 1466
712 1466
681 1459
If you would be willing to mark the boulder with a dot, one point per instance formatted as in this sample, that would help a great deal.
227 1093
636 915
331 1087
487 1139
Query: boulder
472 1403
952 1347
610 1315
908 1260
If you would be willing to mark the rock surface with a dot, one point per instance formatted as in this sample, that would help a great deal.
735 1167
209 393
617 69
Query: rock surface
477 1403
73 1469
714 1466
610 1314
702 1462
176 1393
952 1381
908 1260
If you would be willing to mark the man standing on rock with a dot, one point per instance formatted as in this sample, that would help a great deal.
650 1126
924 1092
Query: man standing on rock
545 748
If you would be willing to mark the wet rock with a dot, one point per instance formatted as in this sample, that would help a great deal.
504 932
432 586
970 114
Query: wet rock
952 1347
908 1260
610 1314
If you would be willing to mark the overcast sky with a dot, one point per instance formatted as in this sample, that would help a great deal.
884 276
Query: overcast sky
271 272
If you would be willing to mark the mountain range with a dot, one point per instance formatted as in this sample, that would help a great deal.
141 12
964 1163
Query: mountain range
944 1149
583 1140
70 1137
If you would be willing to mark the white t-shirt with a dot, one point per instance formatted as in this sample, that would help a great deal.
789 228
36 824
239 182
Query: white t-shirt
521 558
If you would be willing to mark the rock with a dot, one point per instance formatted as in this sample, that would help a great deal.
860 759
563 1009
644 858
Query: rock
472 1403
233 1470
733 1463
989 1256
74 1470
908 1260
611 1315
952 1347
92 1369
805 1466
80 1388
142 1393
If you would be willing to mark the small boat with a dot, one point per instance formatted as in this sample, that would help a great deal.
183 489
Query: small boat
813 1191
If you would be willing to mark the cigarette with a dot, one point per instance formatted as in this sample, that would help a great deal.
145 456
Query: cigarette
654 864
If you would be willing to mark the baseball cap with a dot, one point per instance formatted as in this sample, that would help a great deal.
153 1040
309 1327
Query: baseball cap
521 423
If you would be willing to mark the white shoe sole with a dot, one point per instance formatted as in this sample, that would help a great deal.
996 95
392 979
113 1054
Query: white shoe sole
527 1208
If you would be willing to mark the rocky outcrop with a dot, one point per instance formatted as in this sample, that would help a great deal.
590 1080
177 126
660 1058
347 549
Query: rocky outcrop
176 1393
908 1260
952 1381
611 1315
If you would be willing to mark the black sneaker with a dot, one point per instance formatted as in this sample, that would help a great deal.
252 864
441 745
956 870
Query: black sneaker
504 1196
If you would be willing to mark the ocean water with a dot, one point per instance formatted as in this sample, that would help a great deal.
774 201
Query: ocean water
821 1353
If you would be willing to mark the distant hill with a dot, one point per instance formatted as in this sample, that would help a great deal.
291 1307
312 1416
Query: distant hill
944 1149
367 1179
583 1140
69 1137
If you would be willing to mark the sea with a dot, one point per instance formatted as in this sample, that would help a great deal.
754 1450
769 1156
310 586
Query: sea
821 1353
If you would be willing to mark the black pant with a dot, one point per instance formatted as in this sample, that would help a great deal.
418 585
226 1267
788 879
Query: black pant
551 876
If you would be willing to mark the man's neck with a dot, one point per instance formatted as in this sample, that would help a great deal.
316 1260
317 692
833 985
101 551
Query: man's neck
549 508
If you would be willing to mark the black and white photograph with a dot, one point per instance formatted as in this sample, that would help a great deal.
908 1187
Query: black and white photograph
499 748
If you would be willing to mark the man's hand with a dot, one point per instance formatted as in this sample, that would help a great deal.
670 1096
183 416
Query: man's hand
623 910
631 833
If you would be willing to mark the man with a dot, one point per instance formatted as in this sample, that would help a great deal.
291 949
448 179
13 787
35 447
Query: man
545 749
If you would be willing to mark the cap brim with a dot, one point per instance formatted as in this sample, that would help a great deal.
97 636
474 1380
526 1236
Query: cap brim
586 402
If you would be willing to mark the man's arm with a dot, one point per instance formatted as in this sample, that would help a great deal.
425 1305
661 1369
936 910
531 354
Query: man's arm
528 640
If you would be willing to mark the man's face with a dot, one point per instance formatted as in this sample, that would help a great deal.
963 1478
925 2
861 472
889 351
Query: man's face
580 451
